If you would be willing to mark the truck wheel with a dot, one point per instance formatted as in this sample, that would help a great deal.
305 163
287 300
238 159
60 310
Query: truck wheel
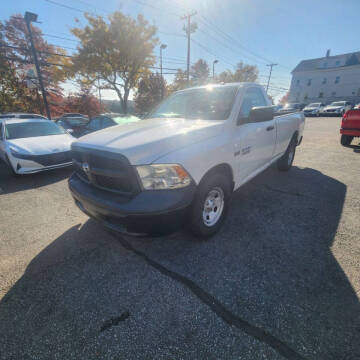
285 162
346 140
210 206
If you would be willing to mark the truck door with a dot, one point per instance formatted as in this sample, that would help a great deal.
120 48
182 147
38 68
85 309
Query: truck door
255 142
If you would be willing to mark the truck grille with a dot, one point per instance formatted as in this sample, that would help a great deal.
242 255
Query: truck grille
106 170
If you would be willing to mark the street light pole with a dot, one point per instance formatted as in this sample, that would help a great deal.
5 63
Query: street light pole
162 47
214 62
271 66
30 17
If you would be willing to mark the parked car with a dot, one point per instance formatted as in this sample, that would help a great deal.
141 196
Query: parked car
73 115
350 126
337 108
313 109
106 120
74 125
21 116
184 161
291 107
33 145
357 106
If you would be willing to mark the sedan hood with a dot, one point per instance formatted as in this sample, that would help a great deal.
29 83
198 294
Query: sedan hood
145 141
334 107
42 144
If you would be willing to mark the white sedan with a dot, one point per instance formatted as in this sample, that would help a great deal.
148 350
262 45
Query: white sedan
34 145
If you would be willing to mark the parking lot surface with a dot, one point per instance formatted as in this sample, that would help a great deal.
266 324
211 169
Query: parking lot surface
281 280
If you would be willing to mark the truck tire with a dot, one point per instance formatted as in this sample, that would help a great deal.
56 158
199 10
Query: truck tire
210 205
346 140
285 162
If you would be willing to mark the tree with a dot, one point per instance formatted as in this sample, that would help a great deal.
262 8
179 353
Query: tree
15 41
117 52
179 82
243 73
83 102
284 99
200 72
150 91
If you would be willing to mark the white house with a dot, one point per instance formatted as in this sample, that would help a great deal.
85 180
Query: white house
327 79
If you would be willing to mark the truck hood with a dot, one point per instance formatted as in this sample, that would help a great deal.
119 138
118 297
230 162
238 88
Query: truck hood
42 145
145 141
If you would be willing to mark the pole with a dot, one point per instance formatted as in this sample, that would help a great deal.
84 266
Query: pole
99 91
214 62
188 30
271 66
28 18
162 46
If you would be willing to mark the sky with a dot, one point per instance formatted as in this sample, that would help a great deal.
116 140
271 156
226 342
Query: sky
257 32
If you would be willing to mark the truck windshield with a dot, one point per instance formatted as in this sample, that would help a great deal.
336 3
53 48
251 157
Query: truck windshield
209 103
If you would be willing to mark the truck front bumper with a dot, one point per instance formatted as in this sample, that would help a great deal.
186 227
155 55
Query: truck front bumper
150 212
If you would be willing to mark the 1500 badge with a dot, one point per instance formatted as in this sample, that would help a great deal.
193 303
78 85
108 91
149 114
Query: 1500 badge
246 150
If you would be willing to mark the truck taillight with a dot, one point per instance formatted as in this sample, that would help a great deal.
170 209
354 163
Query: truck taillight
345 116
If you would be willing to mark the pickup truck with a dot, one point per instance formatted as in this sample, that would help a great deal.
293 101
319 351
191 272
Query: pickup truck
180 165
350 126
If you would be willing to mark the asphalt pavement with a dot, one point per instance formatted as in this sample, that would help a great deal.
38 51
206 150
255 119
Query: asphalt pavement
281 280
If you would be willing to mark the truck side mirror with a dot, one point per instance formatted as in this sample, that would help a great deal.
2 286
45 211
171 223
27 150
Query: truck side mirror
261 113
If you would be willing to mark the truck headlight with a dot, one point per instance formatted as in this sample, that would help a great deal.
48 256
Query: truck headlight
160 177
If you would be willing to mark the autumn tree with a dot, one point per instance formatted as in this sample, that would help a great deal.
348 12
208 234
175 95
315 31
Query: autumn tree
179 82
117 52
151 90
52 59
242 73
284 99
200 72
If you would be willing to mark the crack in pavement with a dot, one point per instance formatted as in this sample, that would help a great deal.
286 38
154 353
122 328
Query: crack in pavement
114 321
217 307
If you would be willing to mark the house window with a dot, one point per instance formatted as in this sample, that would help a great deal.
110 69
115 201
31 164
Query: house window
324 81
337 63
309 82
321 95
333 93
305 97
325 64
358 92
337 80
297 82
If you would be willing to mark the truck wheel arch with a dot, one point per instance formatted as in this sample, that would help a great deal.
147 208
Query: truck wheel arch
224 169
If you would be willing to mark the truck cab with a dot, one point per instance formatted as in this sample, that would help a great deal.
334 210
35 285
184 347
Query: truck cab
350 126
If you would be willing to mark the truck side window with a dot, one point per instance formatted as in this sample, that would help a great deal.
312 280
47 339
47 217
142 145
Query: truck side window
252 98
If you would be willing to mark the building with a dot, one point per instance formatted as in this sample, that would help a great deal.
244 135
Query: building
327 79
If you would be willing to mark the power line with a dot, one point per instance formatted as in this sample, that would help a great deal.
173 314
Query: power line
60 37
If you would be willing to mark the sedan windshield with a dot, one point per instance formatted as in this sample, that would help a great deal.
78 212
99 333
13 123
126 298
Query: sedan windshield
291 106
76 121
314 105
125 119
338 103
210 103
32 129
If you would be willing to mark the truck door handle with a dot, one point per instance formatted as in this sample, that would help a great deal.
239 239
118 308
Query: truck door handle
269 128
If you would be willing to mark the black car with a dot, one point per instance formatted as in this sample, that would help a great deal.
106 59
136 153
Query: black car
291 107
106 120
74 125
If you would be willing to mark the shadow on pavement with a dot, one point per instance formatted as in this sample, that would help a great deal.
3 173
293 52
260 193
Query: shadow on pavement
10 184
271 266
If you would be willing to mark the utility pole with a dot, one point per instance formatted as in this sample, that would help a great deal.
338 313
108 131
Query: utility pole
271 66
188 32
214 62
30 17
